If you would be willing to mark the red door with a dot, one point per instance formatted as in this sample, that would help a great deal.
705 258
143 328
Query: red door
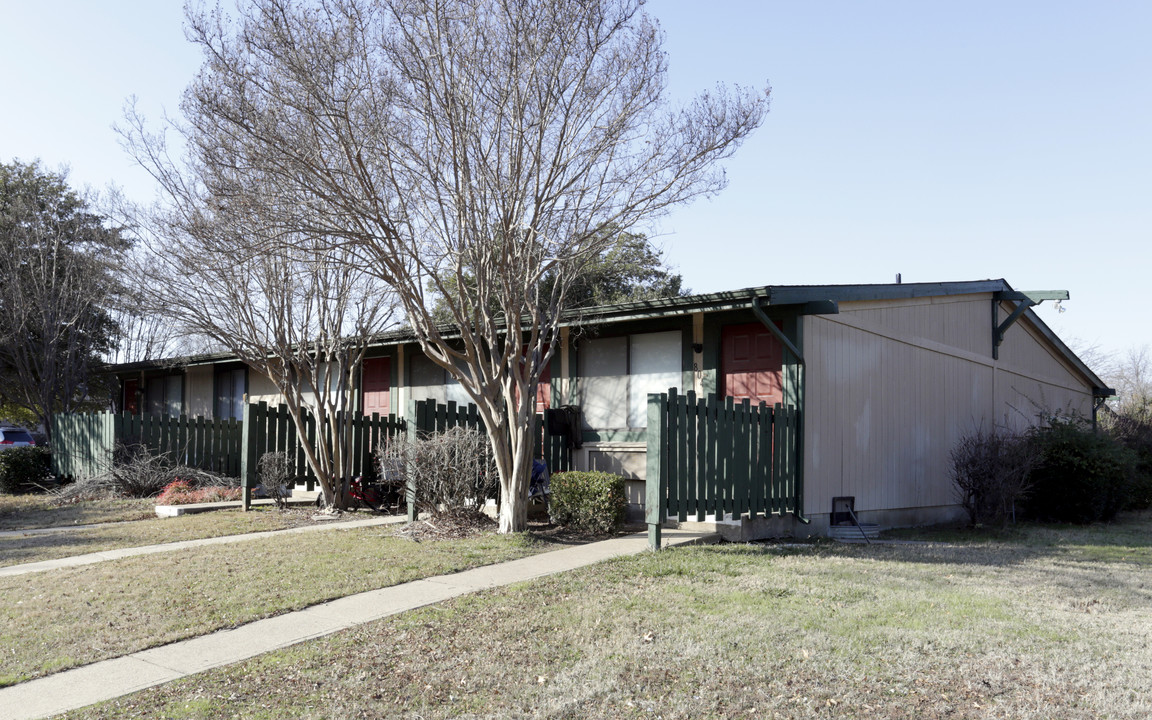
376 386
750 362
544 389
131 396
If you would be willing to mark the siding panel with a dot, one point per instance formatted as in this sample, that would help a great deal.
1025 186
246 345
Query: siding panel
893 385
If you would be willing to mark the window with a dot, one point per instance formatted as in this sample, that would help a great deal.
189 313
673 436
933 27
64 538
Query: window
231 385
616 375
165 395
427 380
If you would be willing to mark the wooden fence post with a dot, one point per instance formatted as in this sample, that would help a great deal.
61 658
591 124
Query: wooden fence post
248 457
654 482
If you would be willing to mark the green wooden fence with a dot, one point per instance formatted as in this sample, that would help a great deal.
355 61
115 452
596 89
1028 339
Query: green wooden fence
713 457
270 429
431 416
85 444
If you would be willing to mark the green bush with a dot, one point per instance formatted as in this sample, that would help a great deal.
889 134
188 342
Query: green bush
588 501
1134 431
1082 476
25 469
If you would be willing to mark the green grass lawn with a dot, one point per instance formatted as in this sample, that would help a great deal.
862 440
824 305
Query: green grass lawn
1051 623
63 618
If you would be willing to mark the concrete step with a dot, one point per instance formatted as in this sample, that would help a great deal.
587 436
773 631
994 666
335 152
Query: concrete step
299 498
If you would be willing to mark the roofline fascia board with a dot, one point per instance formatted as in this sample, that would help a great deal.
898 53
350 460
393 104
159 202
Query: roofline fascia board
801 299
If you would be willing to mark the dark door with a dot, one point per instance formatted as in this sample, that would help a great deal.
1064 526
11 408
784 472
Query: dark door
750 362
132 396
377 386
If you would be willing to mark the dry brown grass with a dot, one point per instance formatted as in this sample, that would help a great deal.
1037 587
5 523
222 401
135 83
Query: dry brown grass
64 618
1055 624
21 512
15 550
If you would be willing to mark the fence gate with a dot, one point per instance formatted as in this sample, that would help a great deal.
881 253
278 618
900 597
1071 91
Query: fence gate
713 457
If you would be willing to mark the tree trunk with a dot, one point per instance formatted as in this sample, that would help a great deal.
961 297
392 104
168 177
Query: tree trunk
514 483
513 510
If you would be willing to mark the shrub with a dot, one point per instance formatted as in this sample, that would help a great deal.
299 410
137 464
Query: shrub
25 469
453 472
1082 476
137 473
588 501
175 493
272 469
182 492
1134 431
991 474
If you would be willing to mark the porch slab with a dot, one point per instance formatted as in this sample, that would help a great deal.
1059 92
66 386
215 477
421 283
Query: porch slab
745 529
166 511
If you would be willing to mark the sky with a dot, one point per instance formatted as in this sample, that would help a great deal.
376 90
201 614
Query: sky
941 140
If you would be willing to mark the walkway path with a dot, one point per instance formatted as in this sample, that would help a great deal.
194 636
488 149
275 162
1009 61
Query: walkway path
118 553
110 679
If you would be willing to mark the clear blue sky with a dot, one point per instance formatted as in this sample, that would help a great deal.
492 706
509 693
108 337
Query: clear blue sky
943 140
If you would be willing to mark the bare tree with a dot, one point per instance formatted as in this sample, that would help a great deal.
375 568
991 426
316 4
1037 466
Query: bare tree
460 149
1131 376
56 286
297 312
143 334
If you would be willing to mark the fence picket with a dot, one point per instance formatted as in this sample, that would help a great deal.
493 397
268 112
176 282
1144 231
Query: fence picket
718 456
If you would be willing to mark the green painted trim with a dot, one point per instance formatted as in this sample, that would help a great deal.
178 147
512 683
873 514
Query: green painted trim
686 356
1033 296
710 358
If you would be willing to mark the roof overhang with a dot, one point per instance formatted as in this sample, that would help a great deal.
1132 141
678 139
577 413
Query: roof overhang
797 299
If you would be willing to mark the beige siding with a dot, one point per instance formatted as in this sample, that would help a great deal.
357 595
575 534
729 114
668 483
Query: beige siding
261 389
199 389
1035 380
892 385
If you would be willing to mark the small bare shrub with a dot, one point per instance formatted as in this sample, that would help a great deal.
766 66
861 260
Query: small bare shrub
453 472
990 472
137 473
272 470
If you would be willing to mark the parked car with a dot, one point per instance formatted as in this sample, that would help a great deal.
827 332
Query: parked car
12 436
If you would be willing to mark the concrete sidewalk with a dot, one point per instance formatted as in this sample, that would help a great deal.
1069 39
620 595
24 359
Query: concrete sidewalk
109 679
101 556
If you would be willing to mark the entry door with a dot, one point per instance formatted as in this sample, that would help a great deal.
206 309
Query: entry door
544 389
376 386
132 396
750 363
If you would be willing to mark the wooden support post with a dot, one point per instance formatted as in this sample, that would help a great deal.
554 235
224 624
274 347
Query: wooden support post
248 457
655 478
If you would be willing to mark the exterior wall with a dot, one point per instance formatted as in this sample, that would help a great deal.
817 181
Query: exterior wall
891 386
1033 381
261 389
